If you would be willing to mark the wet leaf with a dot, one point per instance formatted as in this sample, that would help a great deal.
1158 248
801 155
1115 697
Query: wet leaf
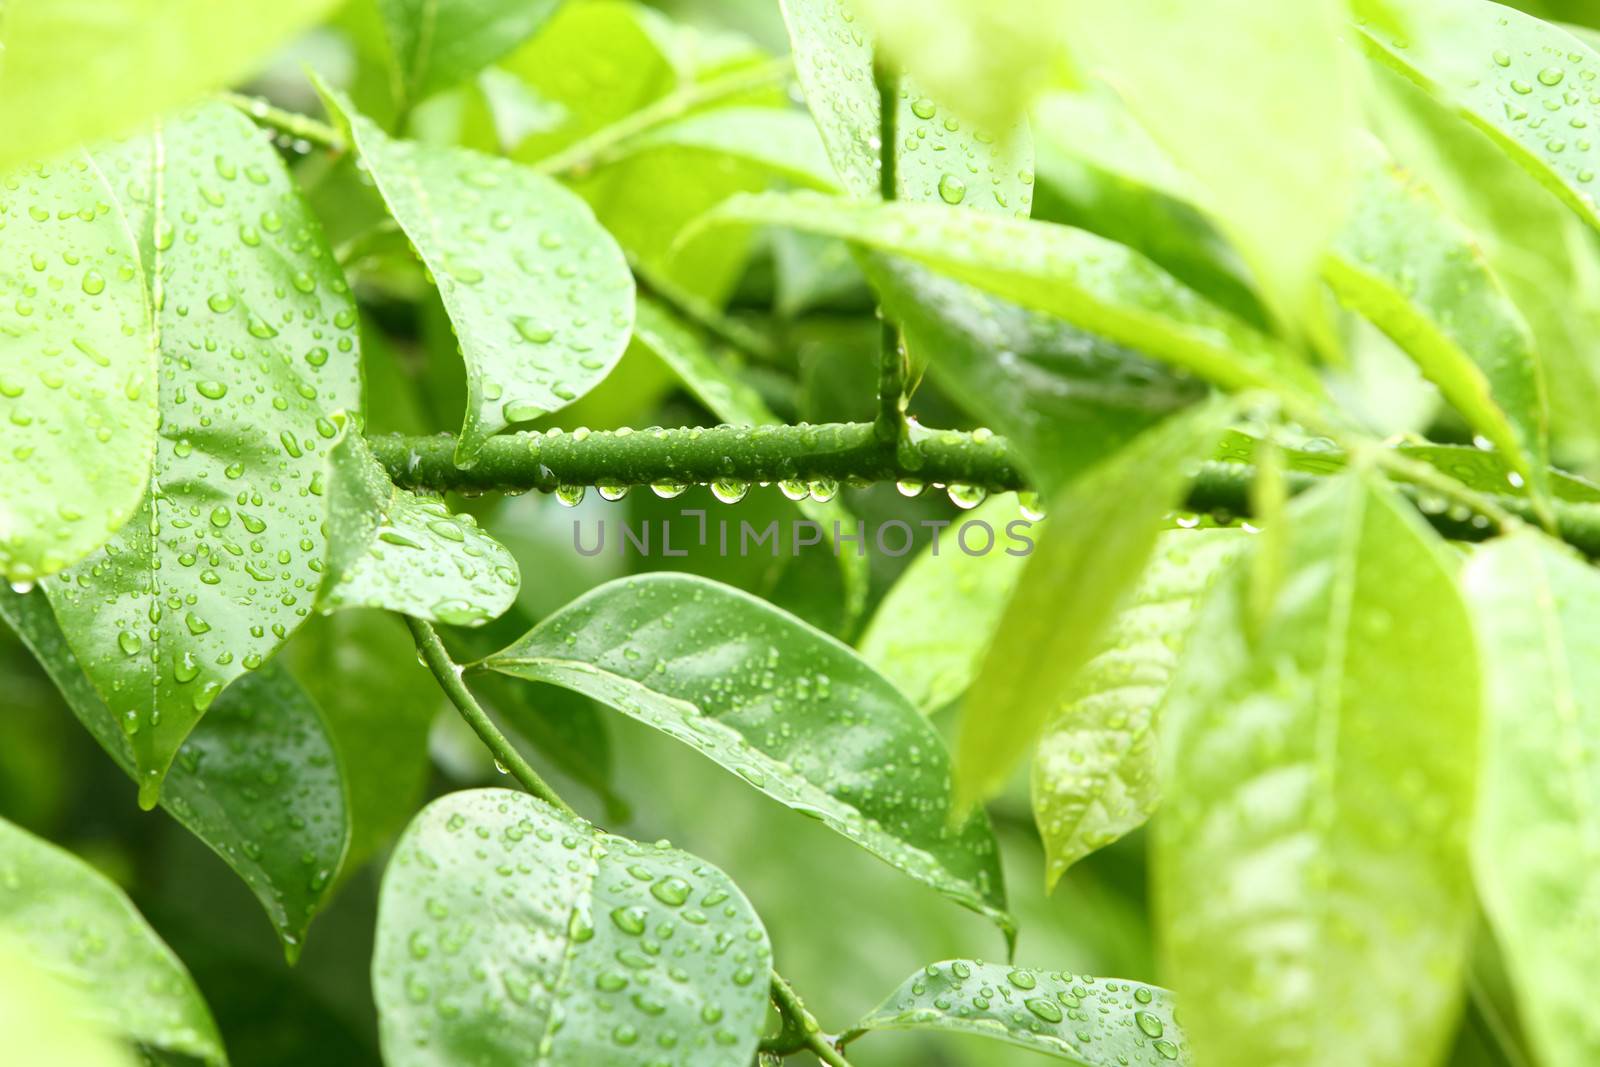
538 293
78 72
77 391
45 1023
791 711
257 335
390 548
80 929
941 159
1314 851
1094 772
439 43
1534 850
1095 1022
510 934
259 779
1070 590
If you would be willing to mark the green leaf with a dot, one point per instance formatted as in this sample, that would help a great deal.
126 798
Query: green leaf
1069 591
1411 269
784 706
1094 772
440 43
1096 1022
1535 851
259 781
1067 399
44 1023
509 933
929 632
75 72
1311 859
736 403
390 548
79 928
78 454
1280 182
940 158
1090 282
782 142
1524 82
539 295
256 328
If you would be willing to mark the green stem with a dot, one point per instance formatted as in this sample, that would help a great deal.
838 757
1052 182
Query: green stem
802 1026
448 674
606 144
892 372
302 127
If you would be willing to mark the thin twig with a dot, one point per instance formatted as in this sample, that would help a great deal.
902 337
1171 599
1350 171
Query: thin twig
803 1025
302 127
892 373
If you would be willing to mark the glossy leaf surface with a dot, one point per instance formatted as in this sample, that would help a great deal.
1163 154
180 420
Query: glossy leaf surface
511 934
258 780
1313 861
1535 848
439 43
1095 1022
256 328
1094 772
539 295
787 708
79 927
44 1023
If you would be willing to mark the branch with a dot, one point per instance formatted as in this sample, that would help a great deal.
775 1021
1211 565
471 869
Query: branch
300 127
800 1028
891 421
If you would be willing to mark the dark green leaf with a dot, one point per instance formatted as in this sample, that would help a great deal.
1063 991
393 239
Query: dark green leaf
511 934
1095 1022
80 928
1311 854
257 335
439 43
792 711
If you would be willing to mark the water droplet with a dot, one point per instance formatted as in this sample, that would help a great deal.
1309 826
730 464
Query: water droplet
728 491
965 496
570 495
952 190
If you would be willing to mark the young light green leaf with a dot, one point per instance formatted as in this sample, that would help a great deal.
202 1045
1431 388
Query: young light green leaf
733 402
79 928
784 706
539 294
1525 83
1070 590
780 141
1277 184
1094 1022
1067 399
439 43
78 387
390 548
1090 282
44 1023
509 934
259 781
1094 772
939 158
1311 854
929 632
256 328
1536 849
76 72
1404 264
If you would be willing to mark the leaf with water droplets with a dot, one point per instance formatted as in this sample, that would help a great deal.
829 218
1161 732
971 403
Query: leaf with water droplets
259 780
940 157
1535 852
439 43
734 402
1406 265
1530 85
1070 590
510 933
390 548
256 328
1094 771
1086 280
1094 1022
77 388
1311 852
539 294
78 927
787 708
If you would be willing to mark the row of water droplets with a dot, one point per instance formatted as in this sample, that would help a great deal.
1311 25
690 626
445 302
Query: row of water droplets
821 490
